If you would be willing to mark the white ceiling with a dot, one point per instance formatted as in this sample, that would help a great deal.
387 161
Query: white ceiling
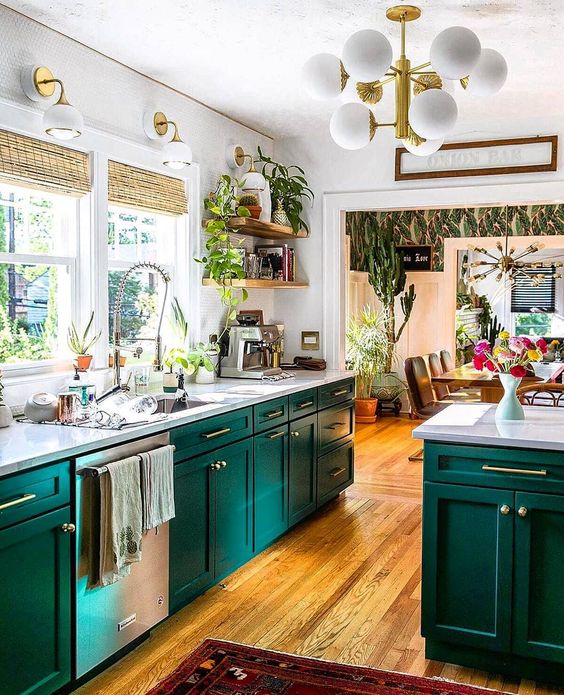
243 57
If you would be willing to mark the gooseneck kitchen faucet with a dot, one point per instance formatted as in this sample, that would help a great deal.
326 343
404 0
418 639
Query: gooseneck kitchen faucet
118 347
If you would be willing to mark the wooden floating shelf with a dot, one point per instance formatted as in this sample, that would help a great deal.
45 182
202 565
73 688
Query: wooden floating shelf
263 230
258 284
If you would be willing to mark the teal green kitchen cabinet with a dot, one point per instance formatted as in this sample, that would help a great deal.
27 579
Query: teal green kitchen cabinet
212 532
270 486
35 604
302 474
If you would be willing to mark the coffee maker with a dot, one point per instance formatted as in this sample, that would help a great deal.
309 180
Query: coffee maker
253 352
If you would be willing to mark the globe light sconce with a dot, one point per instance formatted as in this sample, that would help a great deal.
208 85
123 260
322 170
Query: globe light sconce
61 120
176 154
253 180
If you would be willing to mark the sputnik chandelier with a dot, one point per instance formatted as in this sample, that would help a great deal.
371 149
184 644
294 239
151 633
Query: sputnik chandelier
422 125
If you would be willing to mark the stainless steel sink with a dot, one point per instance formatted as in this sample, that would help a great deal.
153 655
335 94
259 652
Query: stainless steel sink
168 403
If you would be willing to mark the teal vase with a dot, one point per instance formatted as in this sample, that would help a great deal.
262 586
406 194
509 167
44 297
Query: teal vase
509 407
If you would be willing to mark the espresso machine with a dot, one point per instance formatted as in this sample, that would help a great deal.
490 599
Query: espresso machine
253 352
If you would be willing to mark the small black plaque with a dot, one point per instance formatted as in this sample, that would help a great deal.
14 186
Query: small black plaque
416 256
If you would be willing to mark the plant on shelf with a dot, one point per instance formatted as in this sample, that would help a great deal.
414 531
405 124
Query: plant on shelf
81 343
251 202
367 348
223 260
287 191
177 355
5 411
200 362
387 277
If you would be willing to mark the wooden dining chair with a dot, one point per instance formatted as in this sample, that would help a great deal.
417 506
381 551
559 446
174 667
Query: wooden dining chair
444 392
551 395
447 361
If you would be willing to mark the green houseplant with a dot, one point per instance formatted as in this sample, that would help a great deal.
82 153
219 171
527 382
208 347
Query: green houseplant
200 362
288 188
177 355
367 349
81 342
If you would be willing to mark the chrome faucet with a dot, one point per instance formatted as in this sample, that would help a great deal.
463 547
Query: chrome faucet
157 362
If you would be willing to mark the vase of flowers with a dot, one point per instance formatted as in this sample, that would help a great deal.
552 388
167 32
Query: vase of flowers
511 359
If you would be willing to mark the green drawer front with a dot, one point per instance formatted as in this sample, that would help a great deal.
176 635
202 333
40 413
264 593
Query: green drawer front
336 425
335 472
516 469
205 435
340 391
271 414
303 403
25 495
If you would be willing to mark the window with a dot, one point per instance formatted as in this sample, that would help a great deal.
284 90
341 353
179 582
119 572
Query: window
533 302
38 242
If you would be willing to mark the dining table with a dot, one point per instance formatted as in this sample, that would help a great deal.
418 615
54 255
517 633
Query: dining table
491 389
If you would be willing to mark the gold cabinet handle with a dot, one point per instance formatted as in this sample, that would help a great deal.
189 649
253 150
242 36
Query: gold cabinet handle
337 472
522 511
340 392
68 528
222 464
20 500
215 466
504 509
305 404
274 413
275 435
335 426
519 471
218 433
295 434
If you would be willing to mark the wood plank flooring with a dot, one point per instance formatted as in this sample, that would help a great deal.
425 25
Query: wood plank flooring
342 586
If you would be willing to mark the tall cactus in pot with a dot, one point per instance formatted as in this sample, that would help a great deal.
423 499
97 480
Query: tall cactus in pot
387 277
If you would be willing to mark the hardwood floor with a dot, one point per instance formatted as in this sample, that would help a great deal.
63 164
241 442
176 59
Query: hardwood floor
342 586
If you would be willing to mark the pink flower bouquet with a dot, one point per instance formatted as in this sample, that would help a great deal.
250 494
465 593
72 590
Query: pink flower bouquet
510 355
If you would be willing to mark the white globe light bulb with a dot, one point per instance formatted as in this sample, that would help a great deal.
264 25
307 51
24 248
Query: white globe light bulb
350 126
489 75
455 52
177 154
367 55
63 121
433 114
425 148
321 76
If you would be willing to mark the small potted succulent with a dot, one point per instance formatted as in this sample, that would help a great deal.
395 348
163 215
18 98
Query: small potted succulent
177 355
200 362
251 202
81 344
5 411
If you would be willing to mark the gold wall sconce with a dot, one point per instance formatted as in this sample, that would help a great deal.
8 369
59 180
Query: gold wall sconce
176 154
235 157
61 120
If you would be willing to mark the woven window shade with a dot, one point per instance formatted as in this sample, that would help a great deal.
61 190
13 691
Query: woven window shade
43 165
138 188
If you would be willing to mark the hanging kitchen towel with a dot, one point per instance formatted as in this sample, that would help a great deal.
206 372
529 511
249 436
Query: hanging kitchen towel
157 486
120 519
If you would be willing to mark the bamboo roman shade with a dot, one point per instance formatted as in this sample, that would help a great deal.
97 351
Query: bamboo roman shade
529 298
138 188
43 165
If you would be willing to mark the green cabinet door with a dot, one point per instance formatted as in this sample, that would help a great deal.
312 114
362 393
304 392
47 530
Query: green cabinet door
35 557
233 506
302 479
538 621
192 530
271 486
467 565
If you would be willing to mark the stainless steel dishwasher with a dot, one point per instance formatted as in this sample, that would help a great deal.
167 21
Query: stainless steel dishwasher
109 618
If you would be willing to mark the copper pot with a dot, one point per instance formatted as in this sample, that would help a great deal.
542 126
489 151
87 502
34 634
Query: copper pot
365 410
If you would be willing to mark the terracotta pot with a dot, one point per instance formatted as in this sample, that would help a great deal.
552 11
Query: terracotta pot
83 362
255 211
365 410
122 360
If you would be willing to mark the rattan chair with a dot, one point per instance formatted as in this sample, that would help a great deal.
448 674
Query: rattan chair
551 395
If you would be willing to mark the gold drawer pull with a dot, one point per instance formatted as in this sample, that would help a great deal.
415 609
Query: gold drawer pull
275 435
211 435
340 392
305 404
275 413
519 471
335 426
20 500
337 472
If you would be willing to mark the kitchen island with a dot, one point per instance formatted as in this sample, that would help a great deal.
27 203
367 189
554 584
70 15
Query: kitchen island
493 540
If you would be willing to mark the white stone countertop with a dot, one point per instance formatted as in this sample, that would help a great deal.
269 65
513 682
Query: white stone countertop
24 445
474 423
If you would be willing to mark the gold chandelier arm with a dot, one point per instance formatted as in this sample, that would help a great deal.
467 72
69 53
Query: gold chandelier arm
414 79
388 80
420 67
423 72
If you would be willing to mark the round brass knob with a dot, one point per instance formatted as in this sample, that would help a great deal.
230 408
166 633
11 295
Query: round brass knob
295 434
504 509
522 511
68 528
223 464
215 466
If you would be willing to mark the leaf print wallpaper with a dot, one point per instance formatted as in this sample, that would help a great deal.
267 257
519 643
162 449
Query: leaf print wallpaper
432 226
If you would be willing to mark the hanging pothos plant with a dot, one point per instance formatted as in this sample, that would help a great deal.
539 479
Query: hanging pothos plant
223 260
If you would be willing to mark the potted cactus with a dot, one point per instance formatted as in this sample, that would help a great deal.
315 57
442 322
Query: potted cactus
251 202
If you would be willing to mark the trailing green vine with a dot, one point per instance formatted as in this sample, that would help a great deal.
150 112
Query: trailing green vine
223 260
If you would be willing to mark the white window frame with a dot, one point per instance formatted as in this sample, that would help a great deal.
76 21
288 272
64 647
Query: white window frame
91 263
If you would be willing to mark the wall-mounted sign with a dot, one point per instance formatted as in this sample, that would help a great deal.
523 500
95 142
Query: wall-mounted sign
482 158
416 257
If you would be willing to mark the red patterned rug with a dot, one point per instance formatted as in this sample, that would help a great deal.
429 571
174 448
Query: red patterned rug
224 668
